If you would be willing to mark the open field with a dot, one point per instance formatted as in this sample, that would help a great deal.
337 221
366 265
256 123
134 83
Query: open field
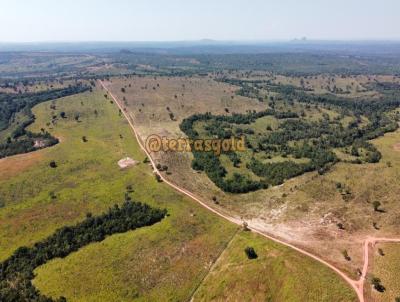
39 199
278 274
162 262
38 86
26 187
305 210
44 64
351 86
152 99
386 267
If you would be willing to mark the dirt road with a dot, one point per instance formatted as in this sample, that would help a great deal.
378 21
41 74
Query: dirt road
357 285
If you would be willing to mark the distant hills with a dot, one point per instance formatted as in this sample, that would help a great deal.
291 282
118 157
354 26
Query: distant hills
205 46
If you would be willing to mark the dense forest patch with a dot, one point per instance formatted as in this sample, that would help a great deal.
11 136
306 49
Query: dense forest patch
300 135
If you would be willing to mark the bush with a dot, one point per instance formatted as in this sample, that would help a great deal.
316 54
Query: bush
376 283
53 164
250 253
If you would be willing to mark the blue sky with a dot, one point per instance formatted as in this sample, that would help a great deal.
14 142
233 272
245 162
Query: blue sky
156 20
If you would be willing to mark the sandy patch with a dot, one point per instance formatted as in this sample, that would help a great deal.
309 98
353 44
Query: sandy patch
397 147
39 144
127 162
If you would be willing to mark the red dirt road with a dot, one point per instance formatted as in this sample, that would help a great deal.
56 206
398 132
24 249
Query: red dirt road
357 285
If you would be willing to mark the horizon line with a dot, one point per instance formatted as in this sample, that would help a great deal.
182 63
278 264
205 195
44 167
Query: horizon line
244 41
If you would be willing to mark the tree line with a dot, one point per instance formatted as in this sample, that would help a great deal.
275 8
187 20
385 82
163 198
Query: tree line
210 163
21 140
17 272
314 140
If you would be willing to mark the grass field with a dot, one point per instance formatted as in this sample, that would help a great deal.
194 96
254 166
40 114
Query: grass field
88 179
35 86
305 210
164 262
278 274
386 267
44 64
350 86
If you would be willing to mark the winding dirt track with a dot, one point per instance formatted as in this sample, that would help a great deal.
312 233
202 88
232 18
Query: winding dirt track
357 285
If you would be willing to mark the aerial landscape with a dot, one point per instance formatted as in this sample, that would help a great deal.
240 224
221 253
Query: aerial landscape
184 151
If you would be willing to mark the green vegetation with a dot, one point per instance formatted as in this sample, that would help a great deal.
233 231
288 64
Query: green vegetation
278 274
16 272
209 161
384 273
295 125
250 253
377 284
14 138
38 200
297 135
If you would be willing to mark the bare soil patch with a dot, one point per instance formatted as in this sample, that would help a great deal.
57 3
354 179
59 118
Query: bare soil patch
127 162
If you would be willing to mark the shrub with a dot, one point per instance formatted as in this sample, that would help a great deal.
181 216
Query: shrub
250 253
376 283
53 164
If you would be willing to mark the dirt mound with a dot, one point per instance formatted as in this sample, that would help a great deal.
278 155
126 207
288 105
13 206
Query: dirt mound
127 162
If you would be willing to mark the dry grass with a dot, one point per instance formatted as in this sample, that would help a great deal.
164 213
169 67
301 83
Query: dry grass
14 165
278 274
387 269
148 99
305 210
164 262
351 86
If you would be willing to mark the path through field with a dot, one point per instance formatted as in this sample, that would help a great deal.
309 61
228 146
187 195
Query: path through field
357 285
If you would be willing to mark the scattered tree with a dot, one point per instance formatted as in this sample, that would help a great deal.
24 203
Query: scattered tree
250 253
53 164
376 283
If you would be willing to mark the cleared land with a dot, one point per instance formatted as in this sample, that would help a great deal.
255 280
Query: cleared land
385 266
162 262
305 210
39 199
270 277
